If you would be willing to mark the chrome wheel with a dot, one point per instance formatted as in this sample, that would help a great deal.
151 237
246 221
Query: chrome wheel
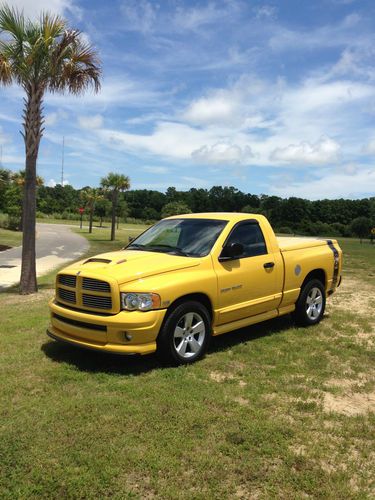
189 335
314 303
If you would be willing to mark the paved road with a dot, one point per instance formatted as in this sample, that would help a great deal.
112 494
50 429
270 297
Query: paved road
56 244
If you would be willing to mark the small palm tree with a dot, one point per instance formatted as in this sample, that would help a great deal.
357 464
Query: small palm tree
41 56
115 183
90 196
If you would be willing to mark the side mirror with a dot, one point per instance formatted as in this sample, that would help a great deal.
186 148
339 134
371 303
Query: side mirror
131 238
231 252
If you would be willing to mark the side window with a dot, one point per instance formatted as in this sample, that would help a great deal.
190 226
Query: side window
251 237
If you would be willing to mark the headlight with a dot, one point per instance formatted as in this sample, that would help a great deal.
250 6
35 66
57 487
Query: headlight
140 301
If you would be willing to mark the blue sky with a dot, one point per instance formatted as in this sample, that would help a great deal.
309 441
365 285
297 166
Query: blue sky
270 97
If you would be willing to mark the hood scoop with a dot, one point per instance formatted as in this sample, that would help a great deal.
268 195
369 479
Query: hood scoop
96 259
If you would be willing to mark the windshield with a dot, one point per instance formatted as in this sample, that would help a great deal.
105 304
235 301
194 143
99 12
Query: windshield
187 237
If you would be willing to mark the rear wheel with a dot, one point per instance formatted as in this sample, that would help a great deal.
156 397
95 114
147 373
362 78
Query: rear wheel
186 333
311 304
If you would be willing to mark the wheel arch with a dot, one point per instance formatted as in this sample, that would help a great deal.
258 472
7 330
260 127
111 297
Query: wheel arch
198 296
316 274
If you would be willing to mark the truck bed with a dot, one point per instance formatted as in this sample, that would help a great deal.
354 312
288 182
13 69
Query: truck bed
288 243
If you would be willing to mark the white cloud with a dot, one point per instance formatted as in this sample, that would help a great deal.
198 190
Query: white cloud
331 186
55 117
339 34
279 122
169 139
313 94
223 153
155 169
53 183
325 150
214 109
34 8
193 18
148 18
140 15
115 91
265 12
90 122
371 147
195 181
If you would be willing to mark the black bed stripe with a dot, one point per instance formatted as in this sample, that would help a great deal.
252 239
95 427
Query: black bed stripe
336 260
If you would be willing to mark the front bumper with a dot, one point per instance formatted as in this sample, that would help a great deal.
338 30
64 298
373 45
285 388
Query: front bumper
107 332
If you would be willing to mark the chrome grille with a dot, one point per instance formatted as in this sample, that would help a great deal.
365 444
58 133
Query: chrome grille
67 295
97 301
95 285
67 280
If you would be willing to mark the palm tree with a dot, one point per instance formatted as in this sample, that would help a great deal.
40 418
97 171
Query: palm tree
90 196
19 180
41 56
115 183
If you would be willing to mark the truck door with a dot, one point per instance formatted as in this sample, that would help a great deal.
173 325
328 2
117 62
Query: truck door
252 283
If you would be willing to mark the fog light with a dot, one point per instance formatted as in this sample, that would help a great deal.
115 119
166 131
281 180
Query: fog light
128 336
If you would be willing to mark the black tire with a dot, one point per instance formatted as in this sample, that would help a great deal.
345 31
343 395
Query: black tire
181 352
309 311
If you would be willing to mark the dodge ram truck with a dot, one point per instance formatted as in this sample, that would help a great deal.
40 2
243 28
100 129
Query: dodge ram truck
187 278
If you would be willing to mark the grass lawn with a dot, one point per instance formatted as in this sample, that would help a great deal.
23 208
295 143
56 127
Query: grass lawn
10 238
273 411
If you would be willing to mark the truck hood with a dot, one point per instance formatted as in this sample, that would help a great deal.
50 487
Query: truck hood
129 265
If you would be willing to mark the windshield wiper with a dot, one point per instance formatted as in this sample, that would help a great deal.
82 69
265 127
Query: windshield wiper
135 246
168 249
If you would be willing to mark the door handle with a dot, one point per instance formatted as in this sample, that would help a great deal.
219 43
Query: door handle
268 265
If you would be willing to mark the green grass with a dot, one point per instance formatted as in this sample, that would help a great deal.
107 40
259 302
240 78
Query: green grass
359 259
273 411
10 238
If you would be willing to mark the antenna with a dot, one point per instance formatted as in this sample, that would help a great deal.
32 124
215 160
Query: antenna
62 162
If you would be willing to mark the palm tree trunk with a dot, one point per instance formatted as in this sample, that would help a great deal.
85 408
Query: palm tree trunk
32 134
91 217
28 283
114 209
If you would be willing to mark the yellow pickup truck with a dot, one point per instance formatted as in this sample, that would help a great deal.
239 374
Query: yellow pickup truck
189 277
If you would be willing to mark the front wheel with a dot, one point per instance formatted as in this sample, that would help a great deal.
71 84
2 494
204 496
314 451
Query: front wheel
311 304
186 333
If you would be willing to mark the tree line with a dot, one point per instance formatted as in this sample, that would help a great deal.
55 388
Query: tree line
340 217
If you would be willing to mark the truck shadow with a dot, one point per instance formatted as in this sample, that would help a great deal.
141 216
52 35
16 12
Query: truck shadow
92 361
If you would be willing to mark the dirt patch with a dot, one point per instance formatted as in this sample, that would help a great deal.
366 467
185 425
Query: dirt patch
359 380
366 338
221 377
350 404
247 494
14 298
353 295
300 449
4 247
241 401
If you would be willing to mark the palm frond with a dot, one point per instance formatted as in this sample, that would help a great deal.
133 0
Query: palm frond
74 65
115 182
12 22
52 26
6 76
